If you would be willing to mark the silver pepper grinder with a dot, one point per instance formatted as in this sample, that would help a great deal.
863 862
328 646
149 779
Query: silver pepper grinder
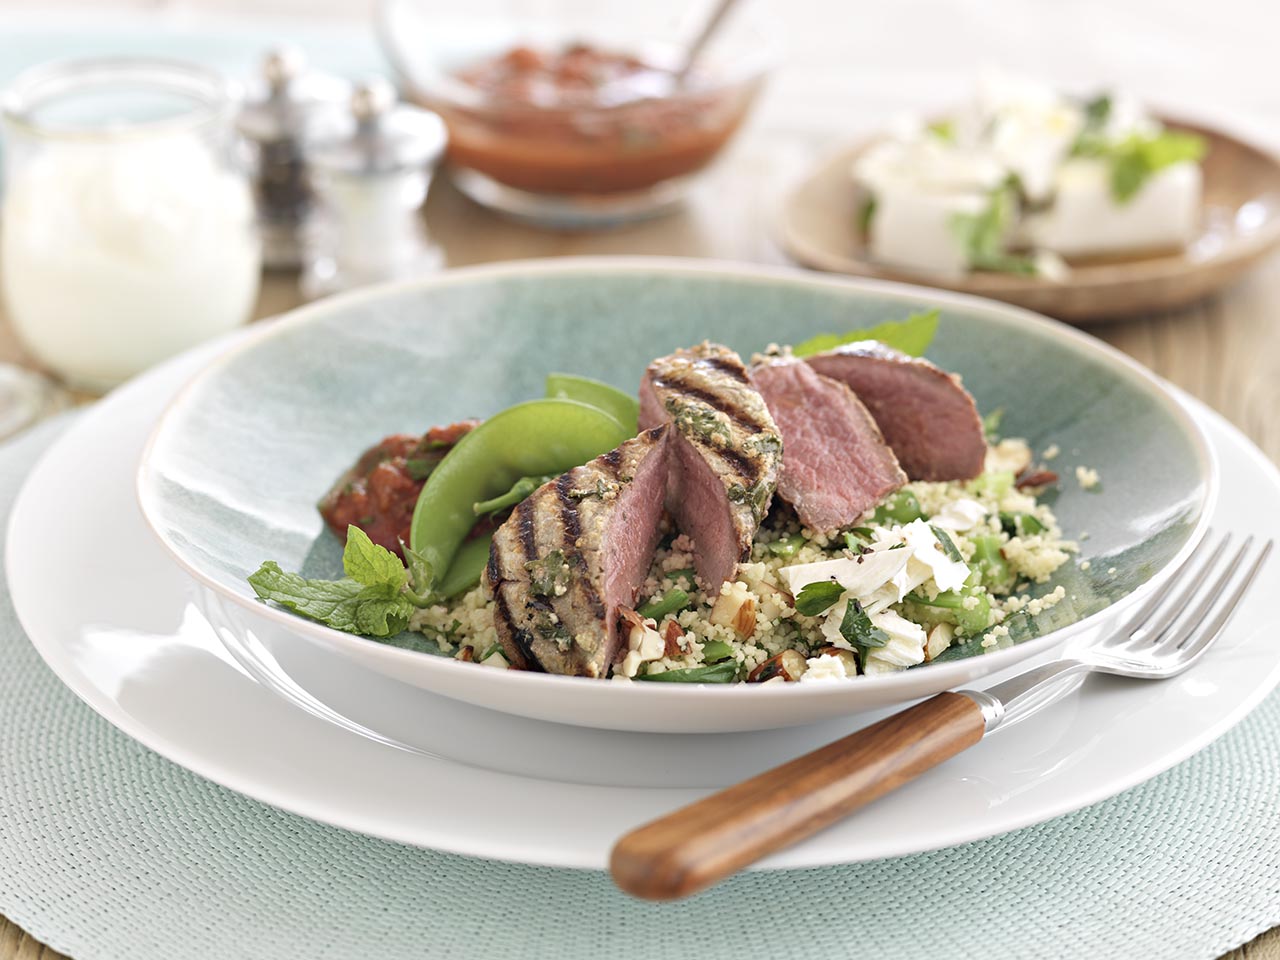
287 106
370 183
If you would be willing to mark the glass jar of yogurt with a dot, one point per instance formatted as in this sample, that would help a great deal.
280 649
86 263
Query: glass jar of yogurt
128 222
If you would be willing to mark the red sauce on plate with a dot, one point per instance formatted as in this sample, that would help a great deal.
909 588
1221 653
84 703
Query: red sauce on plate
378 494
586 120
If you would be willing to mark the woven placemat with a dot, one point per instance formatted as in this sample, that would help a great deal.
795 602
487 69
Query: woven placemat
109 851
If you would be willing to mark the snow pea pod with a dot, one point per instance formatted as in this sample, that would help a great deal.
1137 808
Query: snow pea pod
468 564
624 407
539 437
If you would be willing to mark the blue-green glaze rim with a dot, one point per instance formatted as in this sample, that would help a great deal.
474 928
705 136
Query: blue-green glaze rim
1011 316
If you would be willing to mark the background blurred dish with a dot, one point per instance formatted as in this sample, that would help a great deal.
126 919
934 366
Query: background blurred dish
570 116
237 463
818 228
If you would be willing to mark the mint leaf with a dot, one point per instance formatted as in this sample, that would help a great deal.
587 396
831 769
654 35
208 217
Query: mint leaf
1097 111
911 336
857 628
866 213
367 563
982 235
421 577
347 604
944 130
1136 159
382 615
814 598
317 599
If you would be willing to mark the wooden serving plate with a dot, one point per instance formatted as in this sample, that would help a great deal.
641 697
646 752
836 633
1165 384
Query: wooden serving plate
1241 223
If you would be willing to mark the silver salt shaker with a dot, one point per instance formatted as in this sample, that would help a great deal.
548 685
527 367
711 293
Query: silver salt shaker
370 183
287 106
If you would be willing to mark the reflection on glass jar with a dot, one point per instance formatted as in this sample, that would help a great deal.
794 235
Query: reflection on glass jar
128 226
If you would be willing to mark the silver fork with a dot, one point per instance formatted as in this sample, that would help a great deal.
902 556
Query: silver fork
700 844
1172 630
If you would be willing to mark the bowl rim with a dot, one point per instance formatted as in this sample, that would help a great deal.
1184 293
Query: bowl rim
363 648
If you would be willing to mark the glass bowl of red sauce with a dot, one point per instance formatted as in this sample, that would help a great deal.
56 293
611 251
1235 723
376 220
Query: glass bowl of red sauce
579 119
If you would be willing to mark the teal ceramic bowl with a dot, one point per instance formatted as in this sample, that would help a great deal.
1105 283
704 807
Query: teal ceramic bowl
233 471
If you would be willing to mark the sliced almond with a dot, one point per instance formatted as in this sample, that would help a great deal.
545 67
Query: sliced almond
672 634
744 621
788 665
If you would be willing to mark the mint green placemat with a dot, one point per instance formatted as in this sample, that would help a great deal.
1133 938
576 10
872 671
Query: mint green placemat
109 851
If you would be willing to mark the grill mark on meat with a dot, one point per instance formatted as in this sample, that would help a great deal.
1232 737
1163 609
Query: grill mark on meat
572 524
726 366
568 513
519 637
715 401
745 468
612 460
492 570
600 521
726 455
527 523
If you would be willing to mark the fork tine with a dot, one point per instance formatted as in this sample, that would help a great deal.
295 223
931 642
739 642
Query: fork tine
1185 622
1217 626
1140 625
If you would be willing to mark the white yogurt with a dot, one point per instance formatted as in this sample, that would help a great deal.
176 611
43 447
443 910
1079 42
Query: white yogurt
118 253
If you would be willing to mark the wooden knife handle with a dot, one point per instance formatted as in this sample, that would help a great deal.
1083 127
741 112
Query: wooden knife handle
701 844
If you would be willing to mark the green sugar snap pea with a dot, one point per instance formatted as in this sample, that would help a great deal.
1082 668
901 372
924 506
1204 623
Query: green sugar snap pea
468 564
536 438
622 406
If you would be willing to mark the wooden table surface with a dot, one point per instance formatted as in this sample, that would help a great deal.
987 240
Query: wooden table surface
1225 351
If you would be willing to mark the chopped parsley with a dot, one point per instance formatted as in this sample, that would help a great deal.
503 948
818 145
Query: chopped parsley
948 545
857 628
816 598
548 576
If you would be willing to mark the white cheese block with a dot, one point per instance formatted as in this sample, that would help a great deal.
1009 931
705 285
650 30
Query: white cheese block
859 576
913 229
948 574
825 667
1086 220
928 165
959 515
904 649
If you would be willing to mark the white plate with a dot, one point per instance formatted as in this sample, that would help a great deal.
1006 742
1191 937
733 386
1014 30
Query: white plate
131 642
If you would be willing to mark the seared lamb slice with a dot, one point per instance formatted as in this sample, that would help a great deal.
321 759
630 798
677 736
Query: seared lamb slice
726 454
572 553
835 463
925 414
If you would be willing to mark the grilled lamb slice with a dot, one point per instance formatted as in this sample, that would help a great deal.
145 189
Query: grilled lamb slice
572 553
925 414
726 454
835 464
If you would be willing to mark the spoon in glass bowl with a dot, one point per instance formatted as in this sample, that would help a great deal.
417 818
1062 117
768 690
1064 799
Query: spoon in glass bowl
714 21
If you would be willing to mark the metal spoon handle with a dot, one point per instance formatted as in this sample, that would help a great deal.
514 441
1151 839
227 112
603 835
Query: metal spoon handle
704 36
